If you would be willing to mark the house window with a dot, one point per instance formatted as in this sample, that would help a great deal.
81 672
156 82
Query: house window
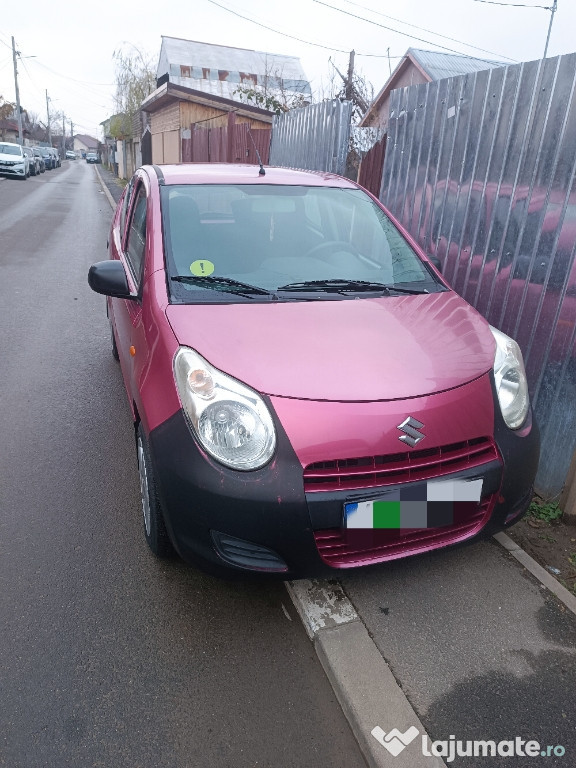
184 71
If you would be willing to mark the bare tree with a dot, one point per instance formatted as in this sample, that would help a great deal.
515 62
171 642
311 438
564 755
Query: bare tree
272 94
135 80
356 88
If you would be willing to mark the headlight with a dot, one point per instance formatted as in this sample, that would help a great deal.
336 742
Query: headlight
511 383
230 420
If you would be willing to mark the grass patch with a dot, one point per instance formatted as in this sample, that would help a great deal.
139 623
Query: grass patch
549 511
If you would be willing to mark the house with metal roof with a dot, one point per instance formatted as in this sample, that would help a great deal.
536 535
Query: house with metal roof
220 70
197 113
418 67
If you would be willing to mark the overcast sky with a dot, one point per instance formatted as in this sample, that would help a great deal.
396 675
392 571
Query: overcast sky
71 46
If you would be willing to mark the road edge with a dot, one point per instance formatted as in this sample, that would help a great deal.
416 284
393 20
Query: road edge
363 683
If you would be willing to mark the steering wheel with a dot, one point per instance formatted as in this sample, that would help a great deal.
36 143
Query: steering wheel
331 246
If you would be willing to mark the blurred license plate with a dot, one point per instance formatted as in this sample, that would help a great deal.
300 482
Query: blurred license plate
420 505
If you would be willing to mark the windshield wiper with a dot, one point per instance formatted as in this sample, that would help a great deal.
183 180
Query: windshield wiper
226 284
337 285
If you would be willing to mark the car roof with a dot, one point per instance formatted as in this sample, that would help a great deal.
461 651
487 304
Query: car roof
227 173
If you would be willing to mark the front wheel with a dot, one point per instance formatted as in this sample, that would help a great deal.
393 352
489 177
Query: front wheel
154 525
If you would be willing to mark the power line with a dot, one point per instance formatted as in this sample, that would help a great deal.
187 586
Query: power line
430 31
291 37
397 31
73 79
515 5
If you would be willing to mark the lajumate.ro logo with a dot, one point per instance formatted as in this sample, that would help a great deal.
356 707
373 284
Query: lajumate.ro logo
396 742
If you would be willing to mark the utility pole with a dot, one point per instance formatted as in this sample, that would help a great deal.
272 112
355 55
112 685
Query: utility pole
14 54
48 113
552 10
72 133
63 135
349 89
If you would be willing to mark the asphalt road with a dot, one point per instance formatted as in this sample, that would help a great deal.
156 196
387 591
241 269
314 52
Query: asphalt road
108 657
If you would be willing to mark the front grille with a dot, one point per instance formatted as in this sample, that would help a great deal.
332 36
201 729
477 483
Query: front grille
411 466
342 548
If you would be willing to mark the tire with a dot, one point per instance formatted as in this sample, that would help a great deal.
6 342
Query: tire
154 526
115 354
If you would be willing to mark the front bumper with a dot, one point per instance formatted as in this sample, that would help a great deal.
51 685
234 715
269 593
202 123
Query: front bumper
12 170
270 520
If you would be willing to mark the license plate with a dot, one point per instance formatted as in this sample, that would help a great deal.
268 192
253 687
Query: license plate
423 505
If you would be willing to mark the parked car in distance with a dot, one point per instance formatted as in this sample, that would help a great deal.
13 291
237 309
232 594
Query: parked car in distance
33 161
92 157
70 155
40 157
308 393
13 160
49 159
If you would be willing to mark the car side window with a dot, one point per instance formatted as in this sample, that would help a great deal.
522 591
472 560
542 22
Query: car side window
125 206
136 243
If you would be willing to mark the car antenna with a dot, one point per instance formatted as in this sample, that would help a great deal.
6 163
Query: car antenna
261 172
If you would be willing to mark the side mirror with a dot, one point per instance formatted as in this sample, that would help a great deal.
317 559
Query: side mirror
109 278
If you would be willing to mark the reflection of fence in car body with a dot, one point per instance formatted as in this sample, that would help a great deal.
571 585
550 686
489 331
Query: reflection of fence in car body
480 169
510 252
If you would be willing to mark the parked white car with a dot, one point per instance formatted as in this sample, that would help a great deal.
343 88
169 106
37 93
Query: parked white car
13 160
34 161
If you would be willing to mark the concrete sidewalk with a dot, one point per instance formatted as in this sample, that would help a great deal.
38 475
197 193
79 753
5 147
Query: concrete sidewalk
469 649
111 184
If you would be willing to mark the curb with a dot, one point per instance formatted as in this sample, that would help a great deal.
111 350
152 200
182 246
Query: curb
364 685
105 189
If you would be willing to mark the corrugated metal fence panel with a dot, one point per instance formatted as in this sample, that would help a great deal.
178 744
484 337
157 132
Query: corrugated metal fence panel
200 145
370 175
315 137
262 138
481 170
213 145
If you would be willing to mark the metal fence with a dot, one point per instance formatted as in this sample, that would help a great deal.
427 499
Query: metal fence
481 170
315 137
235 143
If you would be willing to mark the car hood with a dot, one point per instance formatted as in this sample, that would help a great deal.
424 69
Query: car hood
342 350
4 156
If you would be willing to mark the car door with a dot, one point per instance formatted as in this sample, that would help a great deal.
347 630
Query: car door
126 315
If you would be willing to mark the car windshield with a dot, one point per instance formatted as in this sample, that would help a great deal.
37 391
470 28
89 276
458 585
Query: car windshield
290 240
10 149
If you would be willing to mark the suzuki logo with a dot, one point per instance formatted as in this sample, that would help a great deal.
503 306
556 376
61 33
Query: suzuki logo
410 427
395 741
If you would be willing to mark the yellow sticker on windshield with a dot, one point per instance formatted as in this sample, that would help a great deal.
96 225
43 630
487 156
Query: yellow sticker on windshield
201 267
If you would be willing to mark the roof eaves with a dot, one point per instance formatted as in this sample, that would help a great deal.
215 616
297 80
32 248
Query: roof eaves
389 84
169 92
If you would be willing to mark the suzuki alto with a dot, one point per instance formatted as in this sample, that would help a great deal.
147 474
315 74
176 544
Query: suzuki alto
308 393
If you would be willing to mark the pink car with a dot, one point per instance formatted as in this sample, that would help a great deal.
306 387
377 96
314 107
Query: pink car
307 392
